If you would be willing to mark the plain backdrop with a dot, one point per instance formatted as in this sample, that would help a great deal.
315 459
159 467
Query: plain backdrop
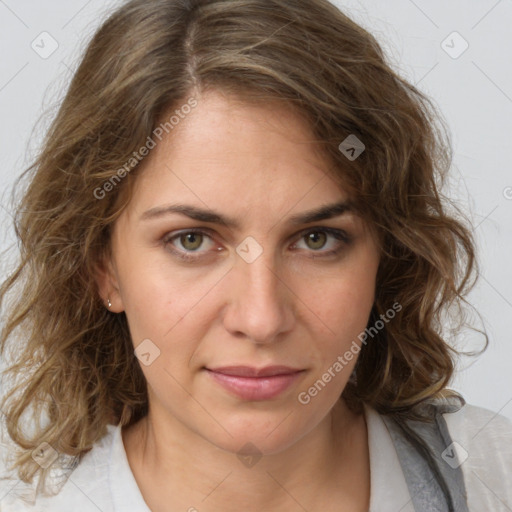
458 52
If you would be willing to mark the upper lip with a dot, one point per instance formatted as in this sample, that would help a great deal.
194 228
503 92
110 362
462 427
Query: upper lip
250 371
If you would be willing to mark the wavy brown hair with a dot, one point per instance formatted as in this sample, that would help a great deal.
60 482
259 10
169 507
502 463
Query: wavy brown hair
72 359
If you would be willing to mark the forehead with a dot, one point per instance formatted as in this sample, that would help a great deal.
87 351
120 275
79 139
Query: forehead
233 150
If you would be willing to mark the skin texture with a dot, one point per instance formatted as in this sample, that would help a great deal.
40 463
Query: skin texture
258 165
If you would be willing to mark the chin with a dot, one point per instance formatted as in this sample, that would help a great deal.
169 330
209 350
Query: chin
266 434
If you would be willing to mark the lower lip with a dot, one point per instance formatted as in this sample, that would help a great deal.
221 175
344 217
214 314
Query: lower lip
255 388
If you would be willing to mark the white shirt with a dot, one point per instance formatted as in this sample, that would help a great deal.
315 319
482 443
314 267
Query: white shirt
103 481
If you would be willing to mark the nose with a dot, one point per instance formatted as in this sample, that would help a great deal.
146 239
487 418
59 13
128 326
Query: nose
260 301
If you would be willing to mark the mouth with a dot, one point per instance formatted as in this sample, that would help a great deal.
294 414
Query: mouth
255 384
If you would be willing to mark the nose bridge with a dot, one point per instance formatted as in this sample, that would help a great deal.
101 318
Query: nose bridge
260 308
262 280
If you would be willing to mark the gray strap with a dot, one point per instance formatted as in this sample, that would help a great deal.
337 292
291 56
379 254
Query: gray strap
434 484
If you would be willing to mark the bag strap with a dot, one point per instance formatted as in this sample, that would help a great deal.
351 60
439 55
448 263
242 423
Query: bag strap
427 456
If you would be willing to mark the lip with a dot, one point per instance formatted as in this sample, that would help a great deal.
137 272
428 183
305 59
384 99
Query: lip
249 383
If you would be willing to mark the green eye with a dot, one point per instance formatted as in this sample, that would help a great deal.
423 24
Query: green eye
191 241
317 241
192 245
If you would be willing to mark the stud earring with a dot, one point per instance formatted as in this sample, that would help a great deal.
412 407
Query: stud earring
109 303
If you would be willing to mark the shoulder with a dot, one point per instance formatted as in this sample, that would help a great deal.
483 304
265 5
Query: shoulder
479 430
475 423
473 440
482 442
84 487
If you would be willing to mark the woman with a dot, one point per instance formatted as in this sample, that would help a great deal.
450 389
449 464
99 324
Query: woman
234 266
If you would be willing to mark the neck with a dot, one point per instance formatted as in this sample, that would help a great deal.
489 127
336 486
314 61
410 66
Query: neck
328 467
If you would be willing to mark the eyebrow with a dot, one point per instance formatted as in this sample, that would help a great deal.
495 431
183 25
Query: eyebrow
327 211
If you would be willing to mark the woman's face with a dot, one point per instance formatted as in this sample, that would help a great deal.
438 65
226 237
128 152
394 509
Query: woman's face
237 325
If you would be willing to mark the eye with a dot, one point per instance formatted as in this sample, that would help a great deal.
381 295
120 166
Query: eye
190 242
317 238
186 245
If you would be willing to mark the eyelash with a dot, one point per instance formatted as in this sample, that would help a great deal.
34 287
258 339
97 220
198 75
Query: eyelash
338 234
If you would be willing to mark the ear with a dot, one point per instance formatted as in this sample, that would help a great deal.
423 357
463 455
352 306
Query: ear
107 282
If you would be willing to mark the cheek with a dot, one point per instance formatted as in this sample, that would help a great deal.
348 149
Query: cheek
171 309
344 303
342 306
156 296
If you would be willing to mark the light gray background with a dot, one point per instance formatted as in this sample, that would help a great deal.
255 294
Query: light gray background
473 92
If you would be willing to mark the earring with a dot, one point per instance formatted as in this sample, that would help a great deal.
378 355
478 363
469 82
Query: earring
109 303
